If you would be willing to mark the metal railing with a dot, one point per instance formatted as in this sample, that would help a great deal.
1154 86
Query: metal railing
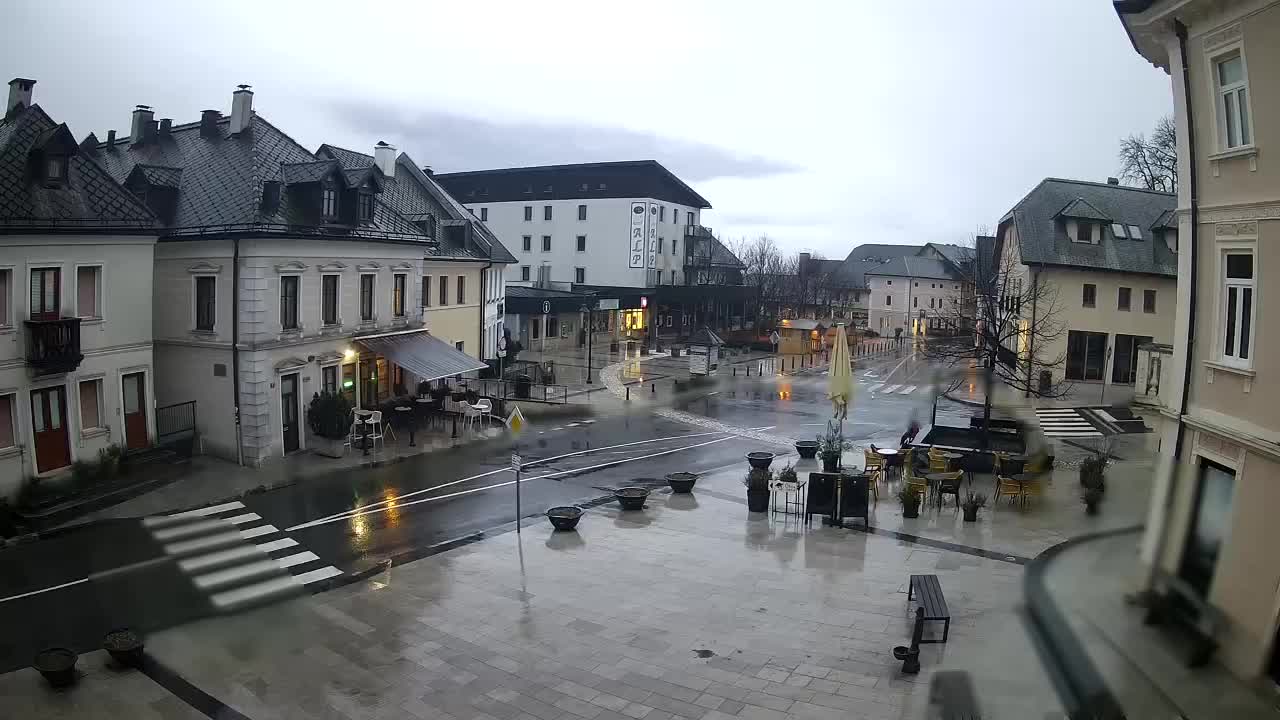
172 420
698 231
508 390
53 346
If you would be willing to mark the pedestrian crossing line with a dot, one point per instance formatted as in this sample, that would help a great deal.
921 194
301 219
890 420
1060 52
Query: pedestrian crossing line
279 544
891 389
875 387
160 520
242 519
314 576
259 531
302 557
907 390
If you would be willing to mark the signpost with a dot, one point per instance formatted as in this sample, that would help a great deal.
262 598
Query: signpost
516 422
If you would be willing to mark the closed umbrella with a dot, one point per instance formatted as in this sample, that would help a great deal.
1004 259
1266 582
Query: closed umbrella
840 376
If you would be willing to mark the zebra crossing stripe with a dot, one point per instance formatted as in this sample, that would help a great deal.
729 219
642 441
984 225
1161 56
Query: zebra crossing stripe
891 389
875 387
907 390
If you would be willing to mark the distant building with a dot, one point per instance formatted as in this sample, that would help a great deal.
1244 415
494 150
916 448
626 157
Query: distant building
76 248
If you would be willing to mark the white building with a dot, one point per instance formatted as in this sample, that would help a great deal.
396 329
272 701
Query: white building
76 369
292 272
929 291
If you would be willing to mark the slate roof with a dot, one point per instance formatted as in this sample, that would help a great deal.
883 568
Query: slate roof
89 199
916 267
877 252
1080 208
620 179
704 336
956 254
307 172
534 292
718 253
160 176
1042 240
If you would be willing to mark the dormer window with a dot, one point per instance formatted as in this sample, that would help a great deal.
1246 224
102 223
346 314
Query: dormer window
329 203
55 170
365 207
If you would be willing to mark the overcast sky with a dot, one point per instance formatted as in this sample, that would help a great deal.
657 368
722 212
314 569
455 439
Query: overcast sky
824 125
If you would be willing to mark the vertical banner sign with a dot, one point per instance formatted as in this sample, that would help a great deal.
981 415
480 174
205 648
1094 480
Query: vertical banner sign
636 244
652 235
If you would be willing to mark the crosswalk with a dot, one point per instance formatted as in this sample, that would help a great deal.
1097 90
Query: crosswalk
898 389
236 558
1066 423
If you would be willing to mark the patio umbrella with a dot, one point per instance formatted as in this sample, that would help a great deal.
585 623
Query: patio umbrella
840 376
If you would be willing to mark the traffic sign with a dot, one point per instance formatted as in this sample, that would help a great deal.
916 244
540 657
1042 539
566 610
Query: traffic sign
516 420
546 307
515 461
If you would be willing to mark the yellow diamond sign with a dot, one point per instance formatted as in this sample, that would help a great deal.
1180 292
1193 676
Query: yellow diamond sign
516 420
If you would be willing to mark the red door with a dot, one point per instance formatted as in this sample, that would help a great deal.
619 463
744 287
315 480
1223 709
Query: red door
135 411
49 423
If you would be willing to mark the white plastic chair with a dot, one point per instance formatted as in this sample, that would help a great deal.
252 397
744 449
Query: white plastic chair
354 431
471 413
374 424
486 410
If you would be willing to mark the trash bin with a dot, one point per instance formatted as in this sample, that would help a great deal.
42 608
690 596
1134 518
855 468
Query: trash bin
523 384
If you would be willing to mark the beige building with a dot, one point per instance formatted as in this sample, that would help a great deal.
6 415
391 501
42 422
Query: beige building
281 273
1212 518
1100 259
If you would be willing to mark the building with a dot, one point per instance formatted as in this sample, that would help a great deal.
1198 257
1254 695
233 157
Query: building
281 272
1211 520
1102 259
928 290
76 367
629 231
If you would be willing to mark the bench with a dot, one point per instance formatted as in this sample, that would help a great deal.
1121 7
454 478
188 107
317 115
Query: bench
928 593
1172 599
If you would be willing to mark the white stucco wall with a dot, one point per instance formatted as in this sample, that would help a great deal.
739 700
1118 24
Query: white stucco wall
910 297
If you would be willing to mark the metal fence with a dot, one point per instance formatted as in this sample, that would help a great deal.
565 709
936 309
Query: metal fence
176 426
508 390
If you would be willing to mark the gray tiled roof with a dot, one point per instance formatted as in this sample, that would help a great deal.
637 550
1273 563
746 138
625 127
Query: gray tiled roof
1042 239
867 257
957 254
308 172
1080 208
90 199
916 267
986 256
160 176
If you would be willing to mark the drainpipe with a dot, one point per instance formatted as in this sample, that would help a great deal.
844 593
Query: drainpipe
235 345
484 303
1031 335
1172 471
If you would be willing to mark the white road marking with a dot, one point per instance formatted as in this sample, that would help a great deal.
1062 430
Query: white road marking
259 531
164 535
257 590
202 562
274 545
242 519
289 561
875 387
891 389
235 574
907 390
317 575
44 590
198 512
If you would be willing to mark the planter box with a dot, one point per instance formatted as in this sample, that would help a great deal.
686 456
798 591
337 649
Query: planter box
564 517
327 447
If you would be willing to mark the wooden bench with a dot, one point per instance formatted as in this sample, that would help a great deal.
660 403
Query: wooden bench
1174 600
928 593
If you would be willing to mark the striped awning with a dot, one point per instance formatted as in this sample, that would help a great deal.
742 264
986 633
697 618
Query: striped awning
428 357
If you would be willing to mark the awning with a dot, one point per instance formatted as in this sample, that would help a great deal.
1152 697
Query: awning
430 358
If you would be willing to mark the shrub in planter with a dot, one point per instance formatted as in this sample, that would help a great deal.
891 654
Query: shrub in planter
831 447
788 474
1091 473
910 500
327 416
125 647
971 504
57 665
757 482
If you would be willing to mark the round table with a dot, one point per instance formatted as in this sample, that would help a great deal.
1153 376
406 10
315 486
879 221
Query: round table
406 412
935 479
360 416
892 458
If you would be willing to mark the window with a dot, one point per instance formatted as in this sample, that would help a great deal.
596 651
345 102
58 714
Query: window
1134 232
90 405
888 300
460 346
660 250
1084 232
688 218
426 291
87 292
6 282
526 243
366 298
579 275
8 438
484 214
524 273
662 213
888 282
206 302
915 301
528 213
1122 300
582 243
546 212
546 243
930 303
1233 102
329 203
55 167
289 302
444 290
1237 320
1209 526
1086 355
366 207
673 245
1118 230
1148 301
462 289
398 282
673 277
1090 298
329 379
582 212
46 292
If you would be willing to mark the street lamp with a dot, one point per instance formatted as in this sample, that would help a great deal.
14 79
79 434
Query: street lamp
586 309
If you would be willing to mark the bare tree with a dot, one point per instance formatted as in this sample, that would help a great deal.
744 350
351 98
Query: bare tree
761 258
1014 323
1152 162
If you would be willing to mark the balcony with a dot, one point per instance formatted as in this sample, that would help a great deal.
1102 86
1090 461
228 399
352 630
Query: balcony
697 231
53 346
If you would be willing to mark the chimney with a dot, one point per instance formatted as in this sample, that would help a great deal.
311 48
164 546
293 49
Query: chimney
209 123
19 92
241 109
142 115
426 170
165 126
111 139
384 156
1113 181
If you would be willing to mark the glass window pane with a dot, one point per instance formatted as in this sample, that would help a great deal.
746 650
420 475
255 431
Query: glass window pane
1229 109
55 411
87 292
4 304
37 411
1240 266
131 393
6 421
1230 71
1243 108
89 404
1230 349
1118 230
1135 233
1246 320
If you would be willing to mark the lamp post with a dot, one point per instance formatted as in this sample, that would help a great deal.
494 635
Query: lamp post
587 309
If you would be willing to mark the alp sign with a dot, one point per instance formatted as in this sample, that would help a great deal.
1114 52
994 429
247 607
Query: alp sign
636 247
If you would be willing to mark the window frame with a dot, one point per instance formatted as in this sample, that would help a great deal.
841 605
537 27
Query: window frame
1089 295
399 289
99 293
296 279
582 212
484 214
364 207
329 205
1149 307
195 303
443 291
1237 359
1124 299
7 320
528 213
546 243
1221 92
546 213
424 286
337 300
367 298
325 372
44 314
581 243
15 439
100 426
526 272
580 275
461 289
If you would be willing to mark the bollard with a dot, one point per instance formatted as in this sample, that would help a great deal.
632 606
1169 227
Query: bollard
748 371
628 393
653 387
735 372
455 425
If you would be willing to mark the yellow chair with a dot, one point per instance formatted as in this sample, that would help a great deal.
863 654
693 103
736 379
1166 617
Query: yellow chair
913 481
876 477
1032 489
938 464
872 460
1008 487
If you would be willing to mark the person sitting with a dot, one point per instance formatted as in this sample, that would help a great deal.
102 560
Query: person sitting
909 436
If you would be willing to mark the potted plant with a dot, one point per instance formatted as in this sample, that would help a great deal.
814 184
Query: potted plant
808 449
831 447
564 517
971 504
1091 472
125 647
910 500
328 416
57 665
682 482
787 474
631 498
760 460
757 482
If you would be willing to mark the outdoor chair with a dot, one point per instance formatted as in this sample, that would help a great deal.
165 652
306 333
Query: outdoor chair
950 486
1008 487
914 481
471 414
872 461
937 463
875 477
485 406
374 423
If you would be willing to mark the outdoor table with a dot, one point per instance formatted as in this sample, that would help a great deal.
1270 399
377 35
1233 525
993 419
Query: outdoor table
892 458
361 415
935 479
406 412
787 489
425 406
